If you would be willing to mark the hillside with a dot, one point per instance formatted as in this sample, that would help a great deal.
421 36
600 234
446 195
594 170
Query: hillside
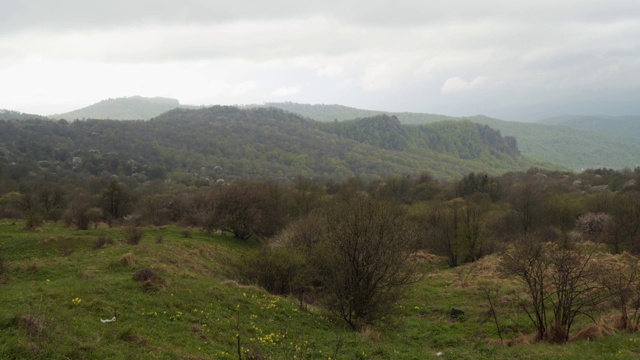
126 108
574 148
227 142
577 147
61 288
616 126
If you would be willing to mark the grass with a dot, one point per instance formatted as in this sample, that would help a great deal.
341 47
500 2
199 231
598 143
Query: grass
57 287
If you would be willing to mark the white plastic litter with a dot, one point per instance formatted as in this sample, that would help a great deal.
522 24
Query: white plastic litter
108 320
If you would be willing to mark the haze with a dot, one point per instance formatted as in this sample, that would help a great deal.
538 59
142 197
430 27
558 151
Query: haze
515 60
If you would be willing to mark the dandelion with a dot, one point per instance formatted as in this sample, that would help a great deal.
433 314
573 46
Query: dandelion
76 301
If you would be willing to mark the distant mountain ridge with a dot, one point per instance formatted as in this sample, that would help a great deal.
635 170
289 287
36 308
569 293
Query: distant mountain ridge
125 108
570 147
16 115
616 126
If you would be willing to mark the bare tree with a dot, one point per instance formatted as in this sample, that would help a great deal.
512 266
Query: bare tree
365 259
528 263
621 279
560 280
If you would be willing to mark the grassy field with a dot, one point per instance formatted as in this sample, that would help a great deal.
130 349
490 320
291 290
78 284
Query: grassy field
56 285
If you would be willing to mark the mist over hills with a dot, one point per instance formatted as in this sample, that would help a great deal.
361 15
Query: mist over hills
627 127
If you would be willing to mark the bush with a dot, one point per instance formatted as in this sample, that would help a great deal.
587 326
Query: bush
364 261
103 241
145 274
127 259
151 282
133 235
33 220
556 276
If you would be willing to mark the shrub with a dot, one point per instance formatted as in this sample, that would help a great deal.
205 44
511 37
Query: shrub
278 270
557 276
133 235
127 259
144 274
151 282
364 262
33 220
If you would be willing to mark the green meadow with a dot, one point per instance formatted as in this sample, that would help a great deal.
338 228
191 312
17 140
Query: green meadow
175 295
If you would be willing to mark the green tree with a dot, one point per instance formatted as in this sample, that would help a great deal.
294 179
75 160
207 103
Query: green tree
247 209
115 199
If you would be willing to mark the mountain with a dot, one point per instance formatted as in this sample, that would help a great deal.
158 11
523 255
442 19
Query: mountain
228 142
15 115
616 126
126 108
570 147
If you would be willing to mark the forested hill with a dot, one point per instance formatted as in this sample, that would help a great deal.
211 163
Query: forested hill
464 139
227 142
15 115
572 143
126 108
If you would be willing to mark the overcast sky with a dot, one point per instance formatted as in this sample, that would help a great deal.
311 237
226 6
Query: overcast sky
511 59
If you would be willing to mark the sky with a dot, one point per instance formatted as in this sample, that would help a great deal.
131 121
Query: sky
515 60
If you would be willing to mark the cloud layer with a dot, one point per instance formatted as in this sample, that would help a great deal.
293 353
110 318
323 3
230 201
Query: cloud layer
511 59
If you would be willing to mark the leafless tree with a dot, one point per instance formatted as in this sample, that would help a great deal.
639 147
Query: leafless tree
366 259
560 282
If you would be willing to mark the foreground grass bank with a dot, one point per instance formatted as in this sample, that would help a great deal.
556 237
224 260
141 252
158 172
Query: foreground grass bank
57 285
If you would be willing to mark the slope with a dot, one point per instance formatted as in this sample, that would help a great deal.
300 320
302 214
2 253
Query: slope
57 285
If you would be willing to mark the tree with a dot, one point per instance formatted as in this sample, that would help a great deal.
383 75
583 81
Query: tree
621 279
478 183
559 278
247 209
526 200
365 264
455 230
115 198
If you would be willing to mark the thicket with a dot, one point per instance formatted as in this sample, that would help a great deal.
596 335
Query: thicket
346 245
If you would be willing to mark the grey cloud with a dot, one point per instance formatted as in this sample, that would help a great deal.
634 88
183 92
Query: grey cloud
393 55
78 14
